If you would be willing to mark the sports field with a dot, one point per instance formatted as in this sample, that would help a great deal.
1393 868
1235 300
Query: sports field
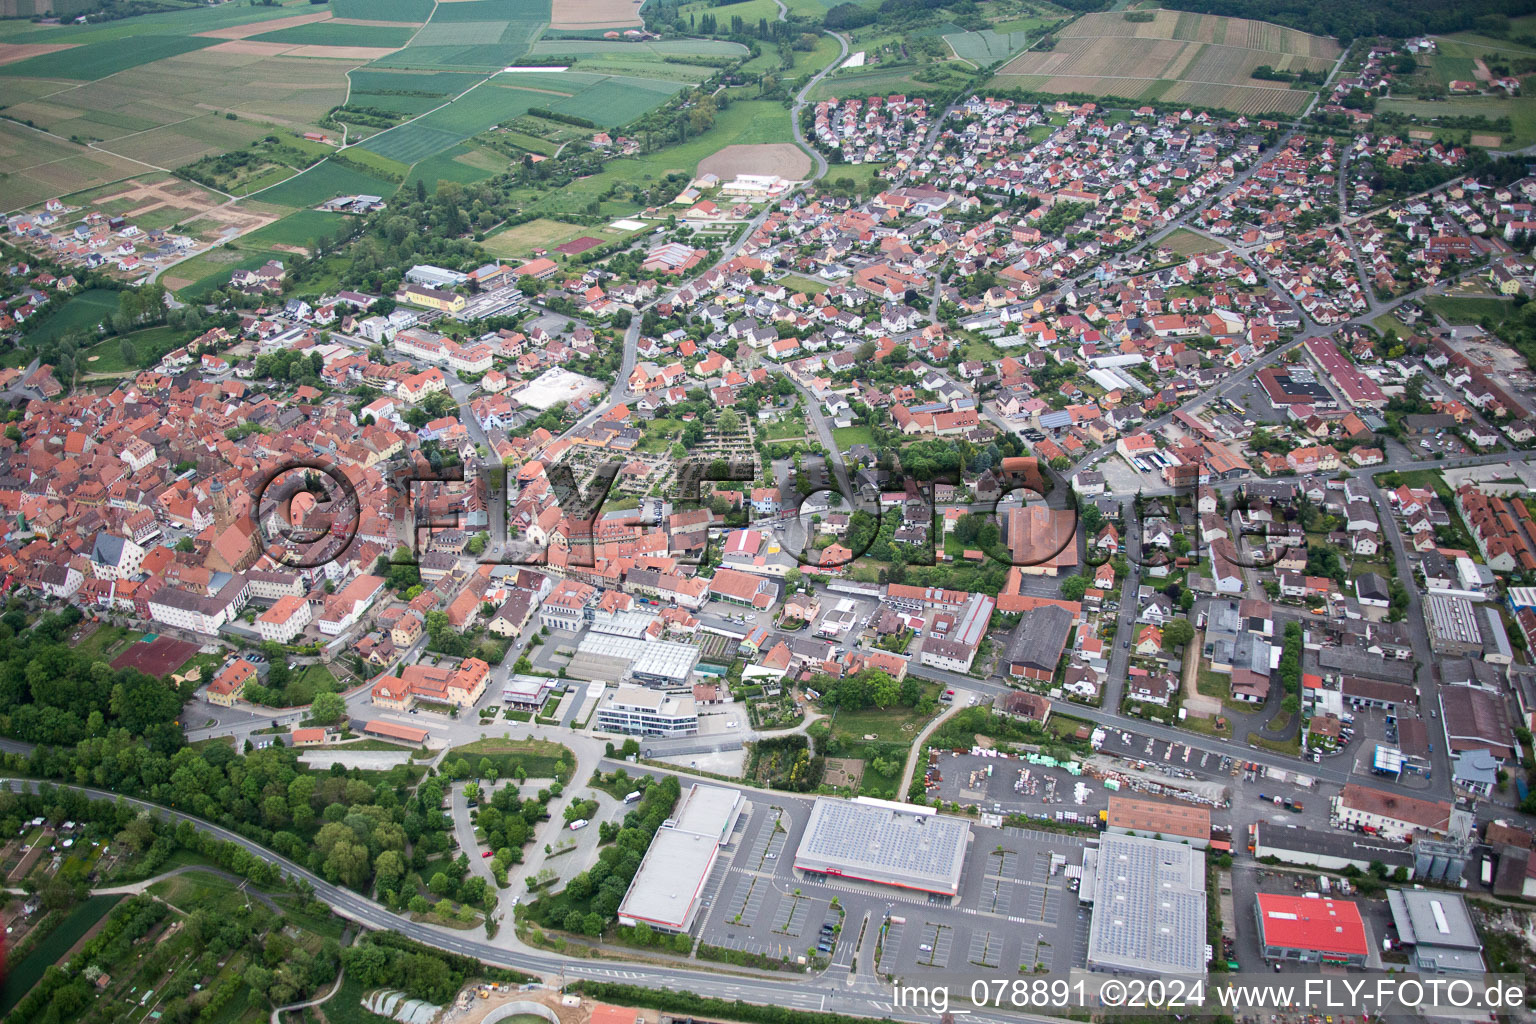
519 242
1202 60
157 657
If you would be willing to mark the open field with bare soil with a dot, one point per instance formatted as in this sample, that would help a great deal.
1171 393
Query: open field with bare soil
1201 60
784 159
580 15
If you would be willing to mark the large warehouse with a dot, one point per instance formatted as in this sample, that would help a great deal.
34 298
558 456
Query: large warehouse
1311 930
1148 906
869 840
665 890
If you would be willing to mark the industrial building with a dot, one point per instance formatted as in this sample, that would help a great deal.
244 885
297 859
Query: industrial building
879 841
1330 851
665 890
1440 930
1323 930
611 657
636 711
1148 906
1452 625
1162 818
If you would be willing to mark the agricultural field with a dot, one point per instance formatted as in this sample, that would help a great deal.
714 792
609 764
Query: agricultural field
575 48
606 100
588 15
329 33
79 312
90 61
989 45
325 180
464 163
383 10
1201 60
408 92
1187 243
480 35
296 231
35 166
1520 111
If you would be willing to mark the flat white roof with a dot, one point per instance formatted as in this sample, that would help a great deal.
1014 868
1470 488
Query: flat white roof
885 842
1148 907
665 890
556 385
708 810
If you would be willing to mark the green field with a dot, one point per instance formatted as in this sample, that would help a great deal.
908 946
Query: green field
184 22
575 48
79 312
462 163
1468 310
847 437
476 34
1187 243
520 241
863 175
607 100
988 45
1520 111
98 60
149 346
54 945
324 33
325 180
744 122
537 757
299 229
383 10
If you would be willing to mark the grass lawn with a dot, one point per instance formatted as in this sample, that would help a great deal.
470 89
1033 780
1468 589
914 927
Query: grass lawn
847 437
1204 725
1211 683
322 679
893 725
520 241
980 350
1187 243
1469 310
80 312
537 757
107 642
1291 746
809 285
1520 111
863 176
149 346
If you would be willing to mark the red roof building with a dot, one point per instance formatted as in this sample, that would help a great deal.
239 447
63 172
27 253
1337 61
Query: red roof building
1310 930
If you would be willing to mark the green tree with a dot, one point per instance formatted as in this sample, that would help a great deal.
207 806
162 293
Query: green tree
1176 634
328 708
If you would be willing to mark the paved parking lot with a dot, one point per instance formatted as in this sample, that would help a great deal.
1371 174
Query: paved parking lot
1017 787
1015 906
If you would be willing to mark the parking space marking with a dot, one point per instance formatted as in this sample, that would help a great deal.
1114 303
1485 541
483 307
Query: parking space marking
986 949
940 937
